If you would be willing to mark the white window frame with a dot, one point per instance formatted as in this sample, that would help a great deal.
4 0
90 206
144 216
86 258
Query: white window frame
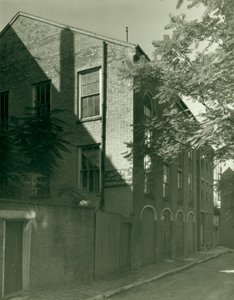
79 75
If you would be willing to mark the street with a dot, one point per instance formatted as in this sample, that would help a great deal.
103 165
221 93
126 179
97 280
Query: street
211 280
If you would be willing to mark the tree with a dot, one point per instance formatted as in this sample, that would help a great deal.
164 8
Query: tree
31 145
196 62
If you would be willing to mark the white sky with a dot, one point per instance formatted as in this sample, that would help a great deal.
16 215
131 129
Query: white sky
145 19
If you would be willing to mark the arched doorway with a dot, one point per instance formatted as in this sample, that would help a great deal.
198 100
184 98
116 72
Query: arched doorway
166 233
148 236
190 233
180 234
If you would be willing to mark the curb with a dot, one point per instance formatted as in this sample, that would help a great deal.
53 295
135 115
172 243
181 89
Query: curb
126 288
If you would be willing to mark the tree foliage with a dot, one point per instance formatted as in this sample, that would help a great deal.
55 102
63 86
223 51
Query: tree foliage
196 62
30 145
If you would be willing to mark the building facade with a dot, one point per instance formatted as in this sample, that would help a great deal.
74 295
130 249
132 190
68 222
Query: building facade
155 211
227 210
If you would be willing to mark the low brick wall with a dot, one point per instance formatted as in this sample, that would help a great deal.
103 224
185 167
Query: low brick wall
62 243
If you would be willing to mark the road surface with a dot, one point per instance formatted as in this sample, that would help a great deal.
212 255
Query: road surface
211 280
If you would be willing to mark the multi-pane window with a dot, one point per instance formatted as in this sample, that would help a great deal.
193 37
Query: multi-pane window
207 221
147 107
190 161
211 222
202 163
4 110
148 113
179 185
43 95
207 191
190 154
42 102
41 185
211 193
165 181
90 93
90 169
190 187
211 168
148 182
202 188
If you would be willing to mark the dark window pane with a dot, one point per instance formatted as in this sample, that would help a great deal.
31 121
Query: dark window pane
48 93
43 92
38 93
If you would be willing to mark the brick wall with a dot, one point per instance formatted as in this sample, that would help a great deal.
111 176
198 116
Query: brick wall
62 243
36 51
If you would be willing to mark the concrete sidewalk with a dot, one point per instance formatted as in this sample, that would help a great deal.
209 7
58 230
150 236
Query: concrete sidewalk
108 287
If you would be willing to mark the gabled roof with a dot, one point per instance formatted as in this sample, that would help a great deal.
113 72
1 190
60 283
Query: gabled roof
74 29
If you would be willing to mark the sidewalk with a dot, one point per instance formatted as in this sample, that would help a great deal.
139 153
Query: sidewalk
105 288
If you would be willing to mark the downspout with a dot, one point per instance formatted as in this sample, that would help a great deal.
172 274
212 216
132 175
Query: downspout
199 200
103 137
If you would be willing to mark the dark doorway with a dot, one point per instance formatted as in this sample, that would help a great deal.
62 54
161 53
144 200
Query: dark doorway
13 258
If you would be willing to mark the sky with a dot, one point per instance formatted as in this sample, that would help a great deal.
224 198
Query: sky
145 19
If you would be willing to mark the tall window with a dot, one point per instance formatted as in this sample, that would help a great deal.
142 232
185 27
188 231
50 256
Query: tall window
179 185
190 188
42 102
89 93
4 110
207 221
165 181
43 95
147 107
211 193
207 191
202 188
211 222
148 113
41 184
90 168
148 184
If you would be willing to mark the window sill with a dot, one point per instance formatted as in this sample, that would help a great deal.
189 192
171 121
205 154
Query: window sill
166 199
191 204
90 119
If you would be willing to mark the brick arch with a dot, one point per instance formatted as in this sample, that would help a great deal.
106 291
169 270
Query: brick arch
190 212
177 215
169 211
149 206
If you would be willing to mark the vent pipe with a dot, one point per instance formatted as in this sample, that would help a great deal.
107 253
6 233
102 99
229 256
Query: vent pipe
126 34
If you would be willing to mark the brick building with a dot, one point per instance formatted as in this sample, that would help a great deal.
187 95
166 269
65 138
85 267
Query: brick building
158 214
227 211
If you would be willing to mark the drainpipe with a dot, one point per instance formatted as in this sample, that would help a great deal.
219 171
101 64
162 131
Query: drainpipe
198 200
103 145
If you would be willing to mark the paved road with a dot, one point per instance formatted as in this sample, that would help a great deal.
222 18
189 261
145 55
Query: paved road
205 281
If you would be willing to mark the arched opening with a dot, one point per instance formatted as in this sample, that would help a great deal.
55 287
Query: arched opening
147 236
166 218
190 232
179 234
